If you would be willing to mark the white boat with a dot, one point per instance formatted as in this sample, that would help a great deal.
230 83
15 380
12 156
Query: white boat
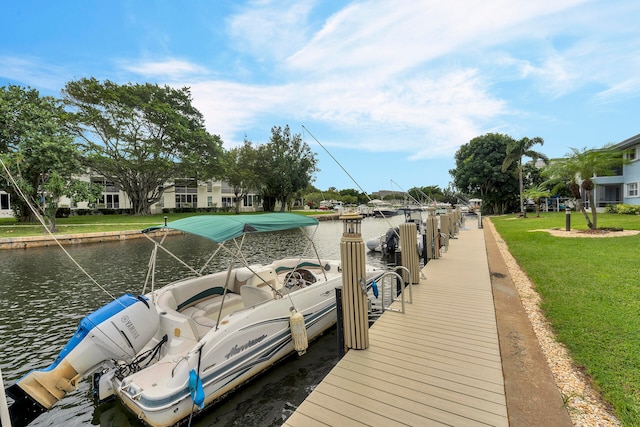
176 350
382 209
389 242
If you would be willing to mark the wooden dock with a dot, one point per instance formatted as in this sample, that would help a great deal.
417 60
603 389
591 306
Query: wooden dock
437 364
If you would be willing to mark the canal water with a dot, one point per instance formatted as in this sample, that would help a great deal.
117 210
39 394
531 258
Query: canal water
44 295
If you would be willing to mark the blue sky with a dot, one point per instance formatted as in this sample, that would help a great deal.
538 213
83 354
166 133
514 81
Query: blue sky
391 88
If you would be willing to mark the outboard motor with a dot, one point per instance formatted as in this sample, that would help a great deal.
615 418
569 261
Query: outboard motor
118 330
390 241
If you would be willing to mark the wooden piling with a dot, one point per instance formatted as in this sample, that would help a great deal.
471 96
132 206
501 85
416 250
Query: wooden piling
354 297
433 252
408 243
444 230
456 221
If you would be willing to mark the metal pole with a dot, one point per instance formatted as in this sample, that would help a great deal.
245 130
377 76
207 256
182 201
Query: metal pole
425 256
339 325
567 212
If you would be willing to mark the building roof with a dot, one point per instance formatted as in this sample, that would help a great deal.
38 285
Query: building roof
629 142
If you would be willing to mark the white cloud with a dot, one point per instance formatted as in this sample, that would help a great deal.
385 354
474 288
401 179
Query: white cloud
424 116
230 109
421 74
391 37
32 72
170 69
589 47
270 29
626 89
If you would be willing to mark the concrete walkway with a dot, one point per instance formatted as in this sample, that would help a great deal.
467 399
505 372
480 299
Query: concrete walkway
454 358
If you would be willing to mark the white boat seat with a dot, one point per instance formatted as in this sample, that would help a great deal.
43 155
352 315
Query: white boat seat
166 301
242 275
212 305
254 295
204 321
254 276
193 311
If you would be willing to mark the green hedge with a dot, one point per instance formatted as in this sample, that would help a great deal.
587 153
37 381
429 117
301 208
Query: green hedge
624 209
197 210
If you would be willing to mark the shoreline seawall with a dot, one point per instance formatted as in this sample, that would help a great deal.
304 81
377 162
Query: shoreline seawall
27 242
67 239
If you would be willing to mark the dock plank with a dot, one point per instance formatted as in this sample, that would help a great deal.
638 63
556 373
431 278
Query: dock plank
412 394
438 363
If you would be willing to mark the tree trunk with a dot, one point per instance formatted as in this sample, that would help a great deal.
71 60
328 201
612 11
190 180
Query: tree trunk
139 203
522 208
237 207
594 212
268 203
52 226
584 212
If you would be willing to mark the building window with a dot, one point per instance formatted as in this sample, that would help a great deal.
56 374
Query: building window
186 196
110 198
227 202
631 154
186 200
226 188
209 186
4 202
632 189
110 201
209 201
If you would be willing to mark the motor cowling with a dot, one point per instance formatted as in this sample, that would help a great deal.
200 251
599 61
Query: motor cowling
390 241
118 330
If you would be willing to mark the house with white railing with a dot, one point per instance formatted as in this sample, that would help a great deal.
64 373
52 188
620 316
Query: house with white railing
624 185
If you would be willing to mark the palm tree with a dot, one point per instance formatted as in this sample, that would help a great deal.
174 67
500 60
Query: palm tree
578 168
516 150
536 193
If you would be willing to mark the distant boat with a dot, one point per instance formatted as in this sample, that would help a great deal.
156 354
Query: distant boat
365 210
382 209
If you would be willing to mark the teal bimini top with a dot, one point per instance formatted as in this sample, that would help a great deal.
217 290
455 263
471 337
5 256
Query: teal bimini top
221 228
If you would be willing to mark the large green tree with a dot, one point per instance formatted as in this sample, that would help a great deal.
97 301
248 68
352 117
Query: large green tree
479 172
426 195
141 136
516 150
577 169
240 171
353 196
286 165
40 156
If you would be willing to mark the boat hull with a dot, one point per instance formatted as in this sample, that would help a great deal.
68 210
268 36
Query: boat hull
250 343
245 343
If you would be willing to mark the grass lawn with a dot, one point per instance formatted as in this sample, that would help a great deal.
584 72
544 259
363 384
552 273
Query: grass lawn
590 289
9 227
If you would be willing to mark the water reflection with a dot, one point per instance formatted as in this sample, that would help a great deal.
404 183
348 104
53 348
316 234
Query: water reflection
44 296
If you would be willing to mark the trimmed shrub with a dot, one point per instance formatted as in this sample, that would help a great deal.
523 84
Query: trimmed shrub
624 209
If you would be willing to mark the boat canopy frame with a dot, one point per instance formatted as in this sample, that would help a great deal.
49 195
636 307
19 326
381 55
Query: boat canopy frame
223 229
